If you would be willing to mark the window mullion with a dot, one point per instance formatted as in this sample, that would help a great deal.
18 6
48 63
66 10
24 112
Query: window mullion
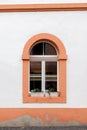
43 76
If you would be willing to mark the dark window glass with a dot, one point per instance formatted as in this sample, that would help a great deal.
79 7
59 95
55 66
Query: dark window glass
51 76
37 49
35 67
51 86
51 68
49 49
43 48
35 76
35 86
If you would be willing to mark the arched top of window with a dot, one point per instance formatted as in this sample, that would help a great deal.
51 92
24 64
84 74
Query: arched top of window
51 43
43 48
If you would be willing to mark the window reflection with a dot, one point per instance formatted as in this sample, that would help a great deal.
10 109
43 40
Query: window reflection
37 49
43 48
35 67
51 76
35 76
49 49
51 68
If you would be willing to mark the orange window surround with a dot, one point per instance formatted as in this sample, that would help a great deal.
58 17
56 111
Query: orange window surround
62 57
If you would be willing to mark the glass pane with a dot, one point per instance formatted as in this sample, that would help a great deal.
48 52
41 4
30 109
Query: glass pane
49 49
51 78
51 68
37 49
32 78
35 76
35 86
35 68
51 86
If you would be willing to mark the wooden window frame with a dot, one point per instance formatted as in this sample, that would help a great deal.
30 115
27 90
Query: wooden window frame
62 69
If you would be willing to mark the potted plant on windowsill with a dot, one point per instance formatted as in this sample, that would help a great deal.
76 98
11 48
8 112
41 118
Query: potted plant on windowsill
36 92
51 93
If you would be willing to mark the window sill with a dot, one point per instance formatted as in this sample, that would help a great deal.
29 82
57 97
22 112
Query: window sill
44 94
30 99
44 99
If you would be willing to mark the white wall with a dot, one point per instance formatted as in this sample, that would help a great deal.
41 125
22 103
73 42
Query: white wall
17 28
40 1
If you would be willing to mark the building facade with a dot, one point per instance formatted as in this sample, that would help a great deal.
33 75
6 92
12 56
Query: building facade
43 48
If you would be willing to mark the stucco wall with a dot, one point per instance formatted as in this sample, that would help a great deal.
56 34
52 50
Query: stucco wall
17 28
40 1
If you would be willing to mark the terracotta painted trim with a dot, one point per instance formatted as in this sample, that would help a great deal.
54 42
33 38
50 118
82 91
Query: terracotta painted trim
44 36
62 57
62 114
43 7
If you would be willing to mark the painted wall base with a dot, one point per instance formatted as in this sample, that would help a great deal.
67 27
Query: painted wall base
17 117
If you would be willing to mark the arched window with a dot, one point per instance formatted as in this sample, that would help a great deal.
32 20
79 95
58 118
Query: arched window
44 70
43 67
